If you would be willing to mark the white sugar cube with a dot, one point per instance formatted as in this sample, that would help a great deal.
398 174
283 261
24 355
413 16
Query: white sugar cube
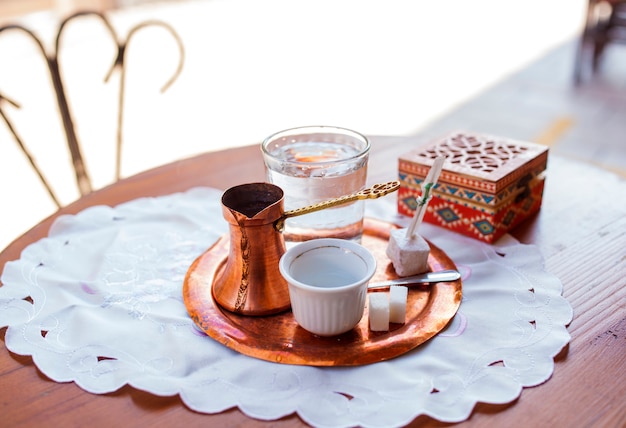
409 256
379 311
397 303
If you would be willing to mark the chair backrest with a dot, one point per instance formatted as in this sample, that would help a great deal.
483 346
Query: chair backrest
82 176
605 23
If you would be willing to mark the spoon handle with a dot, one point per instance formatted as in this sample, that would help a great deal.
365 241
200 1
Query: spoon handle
376 191
424 278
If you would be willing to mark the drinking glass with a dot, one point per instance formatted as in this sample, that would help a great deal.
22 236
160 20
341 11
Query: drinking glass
313 164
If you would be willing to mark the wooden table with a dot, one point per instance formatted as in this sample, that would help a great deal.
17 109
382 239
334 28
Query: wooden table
581 231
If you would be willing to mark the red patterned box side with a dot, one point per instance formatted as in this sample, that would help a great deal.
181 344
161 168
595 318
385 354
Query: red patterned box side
480 224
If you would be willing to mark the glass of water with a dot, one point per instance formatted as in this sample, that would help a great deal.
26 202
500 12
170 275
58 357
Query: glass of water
313 164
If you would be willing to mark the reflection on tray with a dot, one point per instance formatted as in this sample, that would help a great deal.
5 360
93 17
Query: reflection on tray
278 338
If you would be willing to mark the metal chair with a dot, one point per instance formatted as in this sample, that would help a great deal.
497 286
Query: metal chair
605 23
83 180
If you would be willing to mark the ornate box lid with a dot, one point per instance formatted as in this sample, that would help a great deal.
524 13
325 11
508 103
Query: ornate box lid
479 161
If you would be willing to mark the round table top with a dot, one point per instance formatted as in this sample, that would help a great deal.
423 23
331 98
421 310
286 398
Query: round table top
579 230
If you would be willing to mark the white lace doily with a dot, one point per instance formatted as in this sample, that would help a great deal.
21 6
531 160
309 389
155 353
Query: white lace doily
99 303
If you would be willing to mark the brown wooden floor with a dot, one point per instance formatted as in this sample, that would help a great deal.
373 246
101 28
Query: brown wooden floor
539 103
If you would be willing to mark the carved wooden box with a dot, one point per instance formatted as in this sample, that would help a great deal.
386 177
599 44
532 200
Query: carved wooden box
487 187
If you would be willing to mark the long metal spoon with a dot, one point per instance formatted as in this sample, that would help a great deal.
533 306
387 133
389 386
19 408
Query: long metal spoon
424 278
376 191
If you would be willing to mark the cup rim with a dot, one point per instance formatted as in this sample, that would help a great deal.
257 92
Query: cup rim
299 249
321 129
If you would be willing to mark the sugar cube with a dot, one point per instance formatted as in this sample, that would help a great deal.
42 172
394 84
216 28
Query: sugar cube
397 303
379 311
408 255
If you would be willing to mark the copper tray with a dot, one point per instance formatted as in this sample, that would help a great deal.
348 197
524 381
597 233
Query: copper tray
278 338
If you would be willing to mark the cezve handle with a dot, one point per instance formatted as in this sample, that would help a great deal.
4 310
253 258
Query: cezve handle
376 191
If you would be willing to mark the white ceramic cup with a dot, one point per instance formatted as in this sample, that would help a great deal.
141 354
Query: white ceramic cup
327 283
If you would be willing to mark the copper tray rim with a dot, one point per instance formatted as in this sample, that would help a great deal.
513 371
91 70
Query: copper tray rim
343 350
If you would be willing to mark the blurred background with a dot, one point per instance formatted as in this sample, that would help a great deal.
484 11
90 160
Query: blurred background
251 68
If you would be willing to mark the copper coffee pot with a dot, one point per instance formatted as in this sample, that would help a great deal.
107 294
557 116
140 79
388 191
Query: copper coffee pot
250 283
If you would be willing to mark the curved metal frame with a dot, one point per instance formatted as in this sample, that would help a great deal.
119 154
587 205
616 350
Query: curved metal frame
83 180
